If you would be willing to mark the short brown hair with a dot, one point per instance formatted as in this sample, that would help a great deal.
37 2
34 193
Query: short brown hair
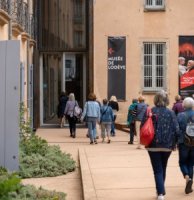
141 99
92 97
105 101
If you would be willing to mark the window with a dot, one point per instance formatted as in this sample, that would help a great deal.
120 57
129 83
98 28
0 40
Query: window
154 4
154 66
78 39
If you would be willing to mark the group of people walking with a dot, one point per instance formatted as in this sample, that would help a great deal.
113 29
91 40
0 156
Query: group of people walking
169 133
93 114
169 130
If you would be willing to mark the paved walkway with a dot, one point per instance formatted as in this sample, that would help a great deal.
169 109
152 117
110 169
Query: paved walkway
115 171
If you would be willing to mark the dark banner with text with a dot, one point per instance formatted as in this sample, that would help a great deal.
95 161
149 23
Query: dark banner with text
186 65
117 67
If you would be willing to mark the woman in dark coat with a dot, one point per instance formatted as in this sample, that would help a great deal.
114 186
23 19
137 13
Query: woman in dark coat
61 107
186 153
113 103
166 132
178 105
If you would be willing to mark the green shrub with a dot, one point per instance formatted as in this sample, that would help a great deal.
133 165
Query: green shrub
3 171
12 189
38 159
9 183
29 192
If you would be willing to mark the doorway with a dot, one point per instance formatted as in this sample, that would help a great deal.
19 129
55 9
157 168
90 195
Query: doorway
60 72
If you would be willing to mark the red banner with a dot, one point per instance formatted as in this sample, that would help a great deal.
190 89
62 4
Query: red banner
186 65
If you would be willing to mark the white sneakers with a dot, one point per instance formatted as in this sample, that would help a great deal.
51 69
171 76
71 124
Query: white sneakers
160 197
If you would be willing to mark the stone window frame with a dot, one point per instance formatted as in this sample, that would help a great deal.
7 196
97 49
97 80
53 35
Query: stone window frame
153 88
154 5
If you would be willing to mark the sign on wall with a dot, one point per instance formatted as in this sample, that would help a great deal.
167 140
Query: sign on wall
186 65
117 67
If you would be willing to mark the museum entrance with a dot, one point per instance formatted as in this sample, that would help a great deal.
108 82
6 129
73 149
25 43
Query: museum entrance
60 72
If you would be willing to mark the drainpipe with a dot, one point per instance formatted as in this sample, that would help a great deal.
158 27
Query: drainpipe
10 21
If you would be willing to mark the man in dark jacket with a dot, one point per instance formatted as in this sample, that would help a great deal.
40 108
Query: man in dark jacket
141 109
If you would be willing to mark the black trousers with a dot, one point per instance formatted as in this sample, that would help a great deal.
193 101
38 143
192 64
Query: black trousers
132 131
72 125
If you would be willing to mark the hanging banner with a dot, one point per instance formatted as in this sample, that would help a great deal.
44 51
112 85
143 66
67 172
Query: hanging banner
117 67
186 65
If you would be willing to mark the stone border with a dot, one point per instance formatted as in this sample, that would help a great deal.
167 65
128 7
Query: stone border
89 192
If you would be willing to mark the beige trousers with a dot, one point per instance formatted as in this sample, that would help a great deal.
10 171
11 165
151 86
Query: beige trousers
137 124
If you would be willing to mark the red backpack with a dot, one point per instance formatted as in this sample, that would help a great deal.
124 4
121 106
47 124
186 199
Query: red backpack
147 130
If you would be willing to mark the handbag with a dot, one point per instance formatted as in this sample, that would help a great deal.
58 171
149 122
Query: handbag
86 117
147 130
77 111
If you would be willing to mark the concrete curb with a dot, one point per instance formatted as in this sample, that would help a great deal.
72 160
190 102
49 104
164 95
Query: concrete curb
89 192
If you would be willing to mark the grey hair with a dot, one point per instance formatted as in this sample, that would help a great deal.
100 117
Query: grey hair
71 97
161 99
181 58
188 103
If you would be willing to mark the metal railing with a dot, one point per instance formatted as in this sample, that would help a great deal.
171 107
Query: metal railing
19 12
4 5
32 26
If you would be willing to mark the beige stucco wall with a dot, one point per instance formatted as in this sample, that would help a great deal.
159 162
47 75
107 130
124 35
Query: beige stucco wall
127 18
26 52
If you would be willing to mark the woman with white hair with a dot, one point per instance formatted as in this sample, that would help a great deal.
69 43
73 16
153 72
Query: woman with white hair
186 153
165 133
182 67
69 113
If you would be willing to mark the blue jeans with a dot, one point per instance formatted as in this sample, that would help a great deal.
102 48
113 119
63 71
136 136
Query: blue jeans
186 160
91 123
159 162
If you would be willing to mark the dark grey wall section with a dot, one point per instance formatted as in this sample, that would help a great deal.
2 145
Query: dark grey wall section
9 104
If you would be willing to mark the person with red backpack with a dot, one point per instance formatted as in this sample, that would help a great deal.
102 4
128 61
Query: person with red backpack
166 131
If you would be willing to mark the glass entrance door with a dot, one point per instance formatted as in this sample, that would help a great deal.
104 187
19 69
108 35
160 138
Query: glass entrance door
61 72
73 75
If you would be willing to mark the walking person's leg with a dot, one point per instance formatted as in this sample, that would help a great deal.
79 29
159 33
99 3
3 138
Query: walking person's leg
131 132
137 124
90 131
103 135
108 130
184 167
94 130
165 156
113 126
157 166
97 130
70 126
191 162
74 127
61 122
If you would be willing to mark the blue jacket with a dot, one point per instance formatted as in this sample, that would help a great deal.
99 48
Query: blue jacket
91 109
106 114
166 128
183 120
141 109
